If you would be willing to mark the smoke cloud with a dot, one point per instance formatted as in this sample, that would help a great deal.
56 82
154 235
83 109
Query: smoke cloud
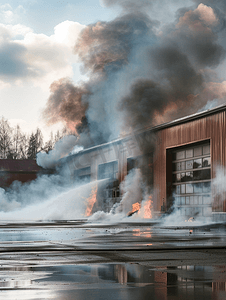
139 72
62 148
142 72
45 199
66 103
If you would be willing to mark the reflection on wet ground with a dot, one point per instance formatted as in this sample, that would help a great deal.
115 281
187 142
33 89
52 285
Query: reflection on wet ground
113 281
78 260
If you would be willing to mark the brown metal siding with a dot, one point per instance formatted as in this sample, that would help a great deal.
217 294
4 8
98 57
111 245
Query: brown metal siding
22 170
211 127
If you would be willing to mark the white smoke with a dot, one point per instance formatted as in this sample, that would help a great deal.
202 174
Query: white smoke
219 181
132 190
219 189
69 204
109 218
19 195
62 148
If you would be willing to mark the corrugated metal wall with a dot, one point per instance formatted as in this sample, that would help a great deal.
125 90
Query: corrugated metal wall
212 127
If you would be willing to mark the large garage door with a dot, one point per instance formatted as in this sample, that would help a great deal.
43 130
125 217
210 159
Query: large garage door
192 179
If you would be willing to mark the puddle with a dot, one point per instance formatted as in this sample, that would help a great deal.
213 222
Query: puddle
112 281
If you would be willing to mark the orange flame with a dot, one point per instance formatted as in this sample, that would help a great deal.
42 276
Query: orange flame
91 201
136 206
147 208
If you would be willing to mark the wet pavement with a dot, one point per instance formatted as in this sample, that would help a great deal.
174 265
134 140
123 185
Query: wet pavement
78 260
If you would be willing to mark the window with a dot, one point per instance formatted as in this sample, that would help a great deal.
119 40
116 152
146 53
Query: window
192 177
83 174
108 170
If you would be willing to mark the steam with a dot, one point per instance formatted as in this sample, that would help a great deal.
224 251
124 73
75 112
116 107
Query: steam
65 204
132 190
19 195
219 188
61 149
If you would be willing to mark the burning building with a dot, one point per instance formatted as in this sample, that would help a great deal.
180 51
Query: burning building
179 170
141 75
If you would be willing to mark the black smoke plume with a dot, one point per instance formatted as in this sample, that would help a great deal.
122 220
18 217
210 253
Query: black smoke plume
141 73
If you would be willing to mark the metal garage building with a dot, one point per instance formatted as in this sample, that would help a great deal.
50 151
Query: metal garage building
179 167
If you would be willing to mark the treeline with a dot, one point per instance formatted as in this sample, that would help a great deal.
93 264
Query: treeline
14 144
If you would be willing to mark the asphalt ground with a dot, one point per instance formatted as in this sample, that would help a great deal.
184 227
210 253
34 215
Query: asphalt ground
77 259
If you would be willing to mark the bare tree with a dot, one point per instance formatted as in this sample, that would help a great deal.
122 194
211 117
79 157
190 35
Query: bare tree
5 139
19 144
35 144
49 145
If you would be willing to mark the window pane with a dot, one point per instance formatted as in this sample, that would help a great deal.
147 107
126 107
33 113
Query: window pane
197 175
187 200
108 170
182 189
200 200
195 200
180 166
206 200
189 153
206 174
182 200
197 163
189 176
202 174
197 151
206 149
189 188
178 177
177 166
183 177
177 200
197 187
189 164
206 161
206 187
180 155
178 190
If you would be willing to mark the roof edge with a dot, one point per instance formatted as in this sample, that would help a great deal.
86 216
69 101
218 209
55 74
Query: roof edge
158 127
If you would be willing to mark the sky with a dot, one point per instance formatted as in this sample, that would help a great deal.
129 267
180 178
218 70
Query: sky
37 41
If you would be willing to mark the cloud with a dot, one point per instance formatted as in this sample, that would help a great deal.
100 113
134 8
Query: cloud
129 4
9 15
6 13
26 55
13 62
67 32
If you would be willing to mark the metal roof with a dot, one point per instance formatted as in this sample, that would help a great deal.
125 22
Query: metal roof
189 118
183 120
19 165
